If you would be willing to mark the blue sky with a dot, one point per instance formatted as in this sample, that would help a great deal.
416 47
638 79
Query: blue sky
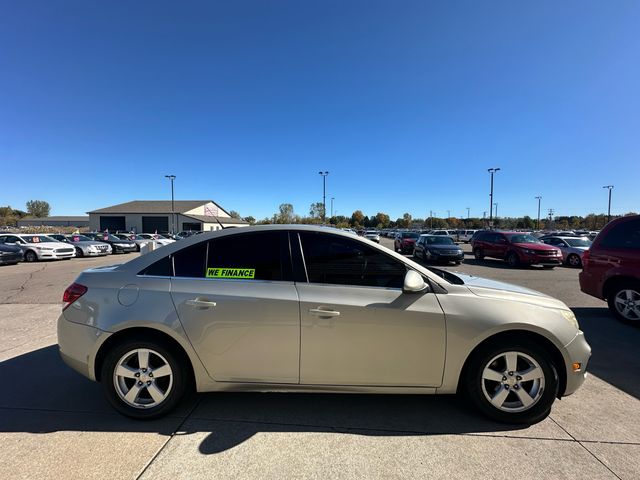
406 103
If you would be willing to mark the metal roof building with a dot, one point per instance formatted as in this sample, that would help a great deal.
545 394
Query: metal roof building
58 221
156 215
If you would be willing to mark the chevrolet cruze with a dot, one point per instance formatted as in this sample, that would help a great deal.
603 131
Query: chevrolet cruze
302 308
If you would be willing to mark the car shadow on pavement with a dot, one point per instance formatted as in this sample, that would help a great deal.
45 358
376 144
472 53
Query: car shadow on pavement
41 394
614 348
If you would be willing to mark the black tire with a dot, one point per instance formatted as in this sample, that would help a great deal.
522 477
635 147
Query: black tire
30 256
478 254
574 260
458 262
79 252
634 290
176 390
473 382
513 260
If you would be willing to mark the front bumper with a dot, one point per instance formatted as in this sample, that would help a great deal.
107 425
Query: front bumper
52 255
577 351
11 258
444 257
121 249
540 260
78 345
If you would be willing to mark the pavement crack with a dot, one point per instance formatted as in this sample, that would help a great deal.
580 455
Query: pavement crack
22 287
585 448
173 434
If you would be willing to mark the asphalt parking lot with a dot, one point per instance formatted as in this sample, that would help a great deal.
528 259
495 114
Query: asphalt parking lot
56 424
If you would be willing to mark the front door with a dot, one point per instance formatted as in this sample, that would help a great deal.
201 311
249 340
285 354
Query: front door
357 326
239 307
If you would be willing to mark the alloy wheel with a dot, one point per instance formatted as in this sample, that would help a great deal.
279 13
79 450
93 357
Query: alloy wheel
143 378
513 381
627 303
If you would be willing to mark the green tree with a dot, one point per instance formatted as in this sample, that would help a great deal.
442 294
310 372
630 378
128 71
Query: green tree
357 218
381 220
285 214
317 210
234 214
38 208
250 219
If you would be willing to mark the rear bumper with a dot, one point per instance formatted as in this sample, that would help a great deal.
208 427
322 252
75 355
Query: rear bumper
78 345
578 351
589 285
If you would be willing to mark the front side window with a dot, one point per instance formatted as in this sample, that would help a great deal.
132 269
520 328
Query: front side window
250 256
332 259
190 262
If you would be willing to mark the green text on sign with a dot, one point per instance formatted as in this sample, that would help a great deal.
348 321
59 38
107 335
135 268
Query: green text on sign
219 272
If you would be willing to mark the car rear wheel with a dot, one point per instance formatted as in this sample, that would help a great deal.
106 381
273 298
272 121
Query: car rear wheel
143 379
30 256
624 302
79 252
513 260
512 383
478 254
573 260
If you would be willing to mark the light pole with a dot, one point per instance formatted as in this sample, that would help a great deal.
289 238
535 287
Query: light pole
610 187
448 214
496 205
538 225
332 199
468 210
491 171
324 194
172 178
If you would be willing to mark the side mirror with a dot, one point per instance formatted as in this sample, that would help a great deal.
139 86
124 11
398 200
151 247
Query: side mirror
414 283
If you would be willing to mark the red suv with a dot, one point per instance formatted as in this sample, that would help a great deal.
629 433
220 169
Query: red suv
515 248
611 268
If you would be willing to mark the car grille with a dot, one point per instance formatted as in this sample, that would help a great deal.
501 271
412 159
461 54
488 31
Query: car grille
64 250
102 248
451 252
545 253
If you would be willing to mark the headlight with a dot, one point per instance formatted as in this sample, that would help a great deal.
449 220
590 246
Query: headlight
530 252
571 318
44 248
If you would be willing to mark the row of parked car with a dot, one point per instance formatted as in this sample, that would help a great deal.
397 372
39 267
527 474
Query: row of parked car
17 247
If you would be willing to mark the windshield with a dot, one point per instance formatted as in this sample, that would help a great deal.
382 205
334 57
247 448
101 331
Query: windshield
440 241
37 238
410 234
578 242
79 238
523 238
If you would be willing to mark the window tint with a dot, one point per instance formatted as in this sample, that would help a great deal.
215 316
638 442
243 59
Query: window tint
161 268
337 260
250 256
190 261
623 235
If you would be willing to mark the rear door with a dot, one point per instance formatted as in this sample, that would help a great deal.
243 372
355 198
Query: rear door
358 327
236 299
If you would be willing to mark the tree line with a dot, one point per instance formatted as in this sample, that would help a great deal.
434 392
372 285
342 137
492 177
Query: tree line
287 215
35 208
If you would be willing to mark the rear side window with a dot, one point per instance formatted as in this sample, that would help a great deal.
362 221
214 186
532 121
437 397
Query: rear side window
332 259
251 256
191 261
623 235
161 268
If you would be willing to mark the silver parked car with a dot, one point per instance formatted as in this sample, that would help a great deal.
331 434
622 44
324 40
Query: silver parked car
85 247
372 235
314 309
572 248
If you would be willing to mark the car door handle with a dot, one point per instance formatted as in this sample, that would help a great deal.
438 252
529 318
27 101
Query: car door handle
196 302
323 313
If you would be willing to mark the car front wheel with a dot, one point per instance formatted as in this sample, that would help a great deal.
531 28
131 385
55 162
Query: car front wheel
512 383
624 302
143 379
30 256
478 254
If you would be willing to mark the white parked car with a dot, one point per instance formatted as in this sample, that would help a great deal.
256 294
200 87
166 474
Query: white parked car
39 247
152 237
373 235
465 235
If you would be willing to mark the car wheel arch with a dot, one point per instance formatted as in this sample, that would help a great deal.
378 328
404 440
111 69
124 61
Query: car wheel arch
143 334
615 281
513 336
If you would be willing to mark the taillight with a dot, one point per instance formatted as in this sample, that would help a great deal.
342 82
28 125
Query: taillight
73 293
585 259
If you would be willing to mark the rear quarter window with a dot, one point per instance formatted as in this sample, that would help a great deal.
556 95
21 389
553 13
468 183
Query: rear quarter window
623 235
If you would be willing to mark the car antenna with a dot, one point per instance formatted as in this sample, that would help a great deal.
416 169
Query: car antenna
220 223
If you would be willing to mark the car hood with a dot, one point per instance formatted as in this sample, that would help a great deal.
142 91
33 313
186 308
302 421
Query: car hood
535 246
49 244
484 287
87 243
444 247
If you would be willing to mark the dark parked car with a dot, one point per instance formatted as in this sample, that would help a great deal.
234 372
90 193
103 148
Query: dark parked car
515 248
611 268
405 241
435 248
117 244
10 254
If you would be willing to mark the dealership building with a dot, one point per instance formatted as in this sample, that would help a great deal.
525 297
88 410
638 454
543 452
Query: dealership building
79 222
149 216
